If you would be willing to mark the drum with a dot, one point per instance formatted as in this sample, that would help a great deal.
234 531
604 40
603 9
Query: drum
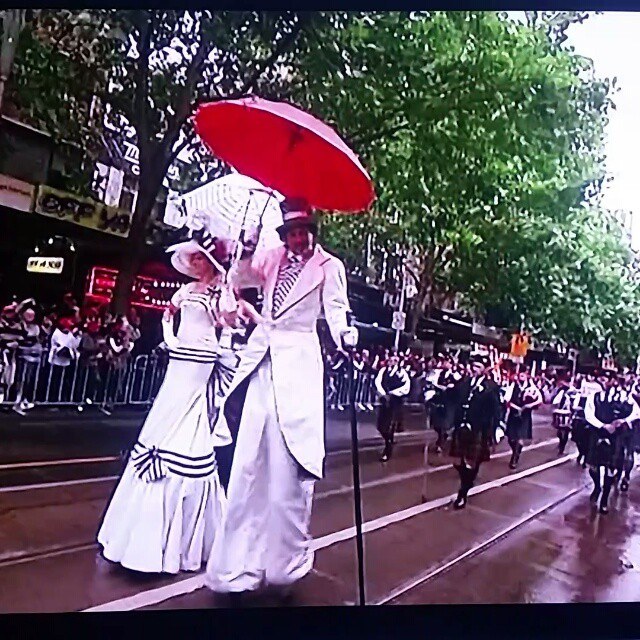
562 419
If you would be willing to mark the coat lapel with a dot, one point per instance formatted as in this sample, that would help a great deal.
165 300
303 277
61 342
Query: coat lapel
310 277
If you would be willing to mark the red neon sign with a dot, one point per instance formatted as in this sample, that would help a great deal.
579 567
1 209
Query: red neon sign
147 292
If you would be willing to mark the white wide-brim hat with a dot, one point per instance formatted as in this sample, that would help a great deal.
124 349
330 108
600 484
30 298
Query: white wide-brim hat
182 252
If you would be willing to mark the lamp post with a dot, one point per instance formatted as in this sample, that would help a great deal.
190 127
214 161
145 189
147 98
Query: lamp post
12 22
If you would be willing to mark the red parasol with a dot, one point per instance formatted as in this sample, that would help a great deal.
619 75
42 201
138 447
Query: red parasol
288 150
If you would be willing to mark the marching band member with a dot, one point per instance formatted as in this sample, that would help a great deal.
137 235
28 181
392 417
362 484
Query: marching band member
579 425
279 451
564 402
392 384
522 397
476 422
443 404
610 414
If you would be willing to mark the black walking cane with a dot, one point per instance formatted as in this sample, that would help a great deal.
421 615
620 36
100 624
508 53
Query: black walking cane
355 461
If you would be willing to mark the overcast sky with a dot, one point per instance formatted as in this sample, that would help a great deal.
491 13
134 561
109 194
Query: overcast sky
612 41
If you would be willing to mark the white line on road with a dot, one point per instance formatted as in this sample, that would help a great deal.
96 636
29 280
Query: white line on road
418 473
155 596
422 578
71 483
55 463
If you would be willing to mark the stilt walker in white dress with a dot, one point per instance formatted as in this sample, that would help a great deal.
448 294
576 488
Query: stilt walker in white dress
280 445
168 505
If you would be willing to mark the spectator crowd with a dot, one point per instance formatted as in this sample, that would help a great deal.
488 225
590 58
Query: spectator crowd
51 341
72 354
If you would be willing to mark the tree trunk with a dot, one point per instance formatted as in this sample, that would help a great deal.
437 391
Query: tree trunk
133 255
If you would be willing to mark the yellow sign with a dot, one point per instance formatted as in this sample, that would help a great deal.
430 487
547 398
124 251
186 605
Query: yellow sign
82 211
519 345
45 265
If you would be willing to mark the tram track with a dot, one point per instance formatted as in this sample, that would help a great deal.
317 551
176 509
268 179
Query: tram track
434 573
392 479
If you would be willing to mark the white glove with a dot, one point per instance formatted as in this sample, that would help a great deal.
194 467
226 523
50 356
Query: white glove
167 333
349 337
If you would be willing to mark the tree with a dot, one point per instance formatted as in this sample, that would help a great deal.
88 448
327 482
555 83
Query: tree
150 69
481 135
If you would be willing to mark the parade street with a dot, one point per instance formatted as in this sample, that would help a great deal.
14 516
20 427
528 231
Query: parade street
528 535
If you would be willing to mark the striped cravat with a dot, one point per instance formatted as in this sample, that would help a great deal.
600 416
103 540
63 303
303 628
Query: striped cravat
287 276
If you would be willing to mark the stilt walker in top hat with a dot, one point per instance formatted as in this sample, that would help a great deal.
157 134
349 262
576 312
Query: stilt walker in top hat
280 444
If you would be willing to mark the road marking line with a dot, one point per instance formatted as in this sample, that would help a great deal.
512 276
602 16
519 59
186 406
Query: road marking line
319 496
155 596
408 475
56 463
52 485
401 590
9 562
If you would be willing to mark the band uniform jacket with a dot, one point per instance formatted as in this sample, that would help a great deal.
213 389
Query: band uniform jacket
291 340
477 418
521 425
607 445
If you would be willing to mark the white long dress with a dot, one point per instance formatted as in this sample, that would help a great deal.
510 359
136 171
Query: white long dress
168 505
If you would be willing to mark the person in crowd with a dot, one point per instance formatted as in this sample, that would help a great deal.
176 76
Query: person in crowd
119 345
10 336
69 308
393 385
93 350
609 413
63 352
522 397
168 506
279 452
477 419
30 352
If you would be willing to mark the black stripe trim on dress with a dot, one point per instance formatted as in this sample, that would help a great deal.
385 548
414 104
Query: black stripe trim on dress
154 464
179 455
202 360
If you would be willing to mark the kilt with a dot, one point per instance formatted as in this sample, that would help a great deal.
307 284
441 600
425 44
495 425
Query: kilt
441 416
390 411
474 445
519 427
608 449
579 428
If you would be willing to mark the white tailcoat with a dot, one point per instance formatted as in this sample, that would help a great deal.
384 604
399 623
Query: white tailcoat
292 341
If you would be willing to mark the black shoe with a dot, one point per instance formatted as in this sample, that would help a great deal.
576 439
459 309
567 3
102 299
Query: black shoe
384 457
460 502
603 509
624 486
513 463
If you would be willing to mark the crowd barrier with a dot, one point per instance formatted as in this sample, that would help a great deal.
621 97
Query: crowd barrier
136 384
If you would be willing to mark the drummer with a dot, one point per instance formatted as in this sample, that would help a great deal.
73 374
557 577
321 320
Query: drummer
564 402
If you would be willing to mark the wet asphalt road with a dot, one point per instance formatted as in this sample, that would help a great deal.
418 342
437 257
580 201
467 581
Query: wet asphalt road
416 548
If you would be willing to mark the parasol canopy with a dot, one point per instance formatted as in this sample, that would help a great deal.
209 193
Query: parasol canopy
287 150
227 208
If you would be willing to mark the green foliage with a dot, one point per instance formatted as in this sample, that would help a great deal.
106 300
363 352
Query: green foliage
485 141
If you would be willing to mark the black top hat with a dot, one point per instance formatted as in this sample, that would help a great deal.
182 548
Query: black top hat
296 213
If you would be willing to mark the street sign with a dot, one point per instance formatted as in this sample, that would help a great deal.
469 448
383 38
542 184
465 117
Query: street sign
37 264
399 320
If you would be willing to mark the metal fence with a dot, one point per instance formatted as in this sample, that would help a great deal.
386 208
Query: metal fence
43 384
135 384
